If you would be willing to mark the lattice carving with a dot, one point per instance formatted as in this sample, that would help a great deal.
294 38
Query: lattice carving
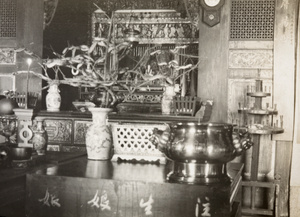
252 19
147 98
8 18
131 141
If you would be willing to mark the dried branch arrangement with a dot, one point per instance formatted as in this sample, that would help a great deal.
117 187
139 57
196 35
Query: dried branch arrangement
97 66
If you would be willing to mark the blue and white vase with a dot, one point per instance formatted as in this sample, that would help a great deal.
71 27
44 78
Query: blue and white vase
53 98
98 137
40 138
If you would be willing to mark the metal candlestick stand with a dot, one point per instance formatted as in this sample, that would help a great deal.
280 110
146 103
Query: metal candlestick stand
257 129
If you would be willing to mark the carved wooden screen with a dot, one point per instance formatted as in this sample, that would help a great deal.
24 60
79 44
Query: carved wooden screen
163 28
252 20
8 40
8 18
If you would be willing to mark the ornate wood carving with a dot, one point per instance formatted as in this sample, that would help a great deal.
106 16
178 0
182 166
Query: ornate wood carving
113 5
155 26
262 59
7 56
59 130
80 128
49 11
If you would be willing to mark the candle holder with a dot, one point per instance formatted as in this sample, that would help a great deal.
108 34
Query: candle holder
29 62
259 120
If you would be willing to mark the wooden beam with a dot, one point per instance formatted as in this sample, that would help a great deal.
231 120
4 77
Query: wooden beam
213 53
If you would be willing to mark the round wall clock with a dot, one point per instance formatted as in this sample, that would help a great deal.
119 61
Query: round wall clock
211 11
212 3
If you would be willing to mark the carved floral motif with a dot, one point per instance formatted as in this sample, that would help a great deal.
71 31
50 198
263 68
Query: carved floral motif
7 56
80 129
59 130
262 59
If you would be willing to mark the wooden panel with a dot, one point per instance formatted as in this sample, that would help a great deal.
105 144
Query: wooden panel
7 82
104 188
13 182
65 196
31 37
295 201
212 75
284 64
251 44
282 172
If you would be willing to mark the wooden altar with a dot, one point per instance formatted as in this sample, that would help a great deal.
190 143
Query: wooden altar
104 188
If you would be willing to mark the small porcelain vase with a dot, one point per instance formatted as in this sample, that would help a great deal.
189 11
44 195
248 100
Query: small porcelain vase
53 98
167 100
98 137
40 138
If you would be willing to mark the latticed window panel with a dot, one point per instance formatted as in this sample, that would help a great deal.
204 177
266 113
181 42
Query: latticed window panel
8 18
252 19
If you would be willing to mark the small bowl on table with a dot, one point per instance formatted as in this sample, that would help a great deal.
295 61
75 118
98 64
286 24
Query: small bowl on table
83 106
21 153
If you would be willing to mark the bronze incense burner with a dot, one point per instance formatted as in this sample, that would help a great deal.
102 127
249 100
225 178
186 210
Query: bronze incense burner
200 151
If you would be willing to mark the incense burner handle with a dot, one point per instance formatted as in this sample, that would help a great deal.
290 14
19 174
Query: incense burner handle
161 138
241 141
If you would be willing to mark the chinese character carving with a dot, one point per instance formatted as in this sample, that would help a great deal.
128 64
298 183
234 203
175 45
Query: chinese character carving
202 209
147 205
54 201
104 202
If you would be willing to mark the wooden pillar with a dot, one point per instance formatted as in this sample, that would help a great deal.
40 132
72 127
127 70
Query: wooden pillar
213 53
282 173
284 92
295 163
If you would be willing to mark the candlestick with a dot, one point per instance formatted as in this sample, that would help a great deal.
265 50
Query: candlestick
29 61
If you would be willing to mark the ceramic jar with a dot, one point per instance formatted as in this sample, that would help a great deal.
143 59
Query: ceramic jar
40 138
98 136
53 98
167 101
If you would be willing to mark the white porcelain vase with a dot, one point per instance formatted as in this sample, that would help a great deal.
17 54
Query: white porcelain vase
98 137
168 100
53 98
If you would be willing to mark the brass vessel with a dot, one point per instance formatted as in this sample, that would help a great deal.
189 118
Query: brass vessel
200 151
